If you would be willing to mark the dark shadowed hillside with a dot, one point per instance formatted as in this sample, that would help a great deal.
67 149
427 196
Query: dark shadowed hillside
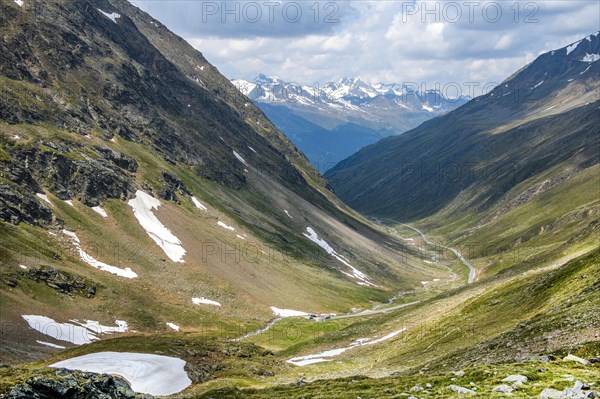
542 119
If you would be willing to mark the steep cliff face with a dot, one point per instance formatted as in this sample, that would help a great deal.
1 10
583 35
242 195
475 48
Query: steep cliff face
193 65
73 68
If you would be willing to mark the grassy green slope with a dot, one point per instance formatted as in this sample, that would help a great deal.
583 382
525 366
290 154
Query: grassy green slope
490 330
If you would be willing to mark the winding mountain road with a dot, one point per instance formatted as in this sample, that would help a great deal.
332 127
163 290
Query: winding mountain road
472 270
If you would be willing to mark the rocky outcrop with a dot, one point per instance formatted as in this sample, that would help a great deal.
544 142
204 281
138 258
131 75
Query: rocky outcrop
63 282
172 186
119 159
219 171
65 169
70 172
18 204
151 92
74 385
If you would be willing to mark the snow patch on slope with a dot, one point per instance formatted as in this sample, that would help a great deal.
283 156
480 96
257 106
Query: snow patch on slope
113 16
205 301
591 57
90 260
586 69
287 312
51 345
100 211
44 197
75 332
317 357
239 157
198 204
355 273
142 205
151 374
572 47
225 226
327 355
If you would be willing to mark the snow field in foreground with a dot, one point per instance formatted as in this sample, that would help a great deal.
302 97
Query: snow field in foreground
146 373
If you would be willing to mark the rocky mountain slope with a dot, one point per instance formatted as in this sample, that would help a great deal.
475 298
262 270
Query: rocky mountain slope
331 122
542 119
133 168
511 178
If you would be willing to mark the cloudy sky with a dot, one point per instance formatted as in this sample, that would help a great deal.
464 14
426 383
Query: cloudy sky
425 42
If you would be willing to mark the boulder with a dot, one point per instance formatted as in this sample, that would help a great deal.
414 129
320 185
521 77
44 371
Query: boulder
462 390
417 388
503 389
550 393
516 379
573 358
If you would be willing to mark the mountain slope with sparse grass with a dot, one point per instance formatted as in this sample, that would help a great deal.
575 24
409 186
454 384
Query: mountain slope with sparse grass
98 108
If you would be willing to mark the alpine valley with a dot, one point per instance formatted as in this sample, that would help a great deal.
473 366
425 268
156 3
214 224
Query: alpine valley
160 236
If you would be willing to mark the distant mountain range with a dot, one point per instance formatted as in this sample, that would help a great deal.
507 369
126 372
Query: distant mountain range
333 121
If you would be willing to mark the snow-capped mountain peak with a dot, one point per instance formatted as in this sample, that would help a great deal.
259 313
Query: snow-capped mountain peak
350 94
